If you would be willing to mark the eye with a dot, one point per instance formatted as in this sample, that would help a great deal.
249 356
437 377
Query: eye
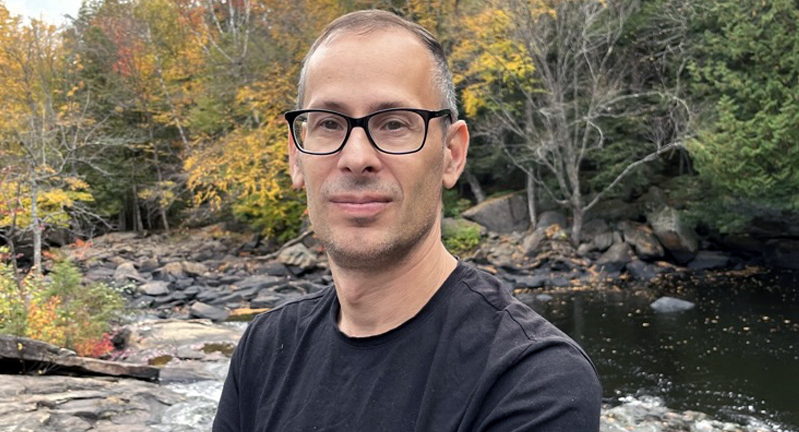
330 124
394 125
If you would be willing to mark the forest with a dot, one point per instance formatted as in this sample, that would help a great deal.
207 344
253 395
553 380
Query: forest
153 114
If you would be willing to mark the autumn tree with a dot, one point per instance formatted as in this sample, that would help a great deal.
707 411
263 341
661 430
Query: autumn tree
45 133
552 81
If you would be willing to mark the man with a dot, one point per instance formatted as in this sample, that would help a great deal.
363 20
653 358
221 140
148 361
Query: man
407 338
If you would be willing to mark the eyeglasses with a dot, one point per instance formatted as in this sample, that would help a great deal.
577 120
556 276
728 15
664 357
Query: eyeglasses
393 131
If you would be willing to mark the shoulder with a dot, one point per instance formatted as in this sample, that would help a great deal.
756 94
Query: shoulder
290 317
520 333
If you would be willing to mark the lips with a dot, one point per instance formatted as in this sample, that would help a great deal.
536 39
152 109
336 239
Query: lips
360 205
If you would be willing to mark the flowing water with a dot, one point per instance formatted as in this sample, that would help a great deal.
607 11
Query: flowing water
734 356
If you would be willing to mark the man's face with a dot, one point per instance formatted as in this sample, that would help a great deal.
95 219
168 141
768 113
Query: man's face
369 208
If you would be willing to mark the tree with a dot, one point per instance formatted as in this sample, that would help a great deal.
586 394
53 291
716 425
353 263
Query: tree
746 63
45 132
555 82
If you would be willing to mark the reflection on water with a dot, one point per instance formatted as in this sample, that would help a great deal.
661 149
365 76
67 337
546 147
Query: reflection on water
734 356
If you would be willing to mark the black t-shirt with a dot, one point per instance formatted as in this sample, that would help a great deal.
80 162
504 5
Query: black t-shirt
473 359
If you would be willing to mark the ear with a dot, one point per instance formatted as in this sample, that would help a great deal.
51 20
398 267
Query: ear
297 178
455 150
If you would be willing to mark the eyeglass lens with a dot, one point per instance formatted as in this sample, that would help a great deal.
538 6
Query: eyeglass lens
393 131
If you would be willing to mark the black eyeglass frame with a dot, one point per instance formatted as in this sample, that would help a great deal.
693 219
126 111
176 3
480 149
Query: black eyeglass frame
363 123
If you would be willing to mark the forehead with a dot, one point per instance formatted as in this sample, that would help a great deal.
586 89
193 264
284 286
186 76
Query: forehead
382 68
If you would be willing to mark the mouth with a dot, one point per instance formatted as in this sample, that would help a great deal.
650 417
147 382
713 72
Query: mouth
360 205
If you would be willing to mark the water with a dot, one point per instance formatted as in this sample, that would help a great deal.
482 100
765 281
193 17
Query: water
734 356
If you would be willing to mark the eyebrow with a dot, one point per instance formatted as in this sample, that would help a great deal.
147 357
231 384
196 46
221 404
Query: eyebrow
342 107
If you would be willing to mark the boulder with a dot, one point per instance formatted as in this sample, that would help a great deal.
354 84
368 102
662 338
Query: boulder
202 310
299 256
678 238
615 258
504 214
154 288
705 260
671 304
174 269
532 242
603 241
641 270
525 281
614 210
192 268
549 218
593 228
126 271
642 239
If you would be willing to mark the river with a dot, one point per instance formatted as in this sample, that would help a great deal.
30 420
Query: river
734 356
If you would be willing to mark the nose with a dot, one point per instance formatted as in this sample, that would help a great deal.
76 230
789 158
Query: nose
359 156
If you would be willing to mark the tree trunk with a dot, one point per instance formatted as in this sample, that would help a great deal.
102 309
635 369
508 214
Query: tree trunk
157 161
531 201
577 225
36 227
138 225
474 184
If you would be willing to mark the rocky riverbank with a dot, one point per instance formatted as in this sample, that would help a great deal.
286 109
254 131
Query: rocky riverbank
186 286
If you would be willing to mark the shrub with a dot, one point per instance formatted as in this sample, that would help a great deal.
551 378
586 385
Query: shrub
461 236
59 309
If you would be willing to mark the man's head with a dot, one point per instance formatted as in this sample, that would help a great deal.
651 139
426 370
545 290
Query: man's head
369 208
369 21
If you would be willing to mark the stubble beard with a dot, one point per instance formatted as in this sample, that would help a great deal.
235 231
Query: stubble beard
391 248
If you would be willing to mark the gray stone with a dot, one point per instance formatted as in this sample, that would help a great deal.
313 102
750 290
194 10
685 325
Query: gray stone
641 270
642 239
154 288
532 281
259 282
615 258
202 310
298 255
532 242
594 227
678 238
172 374
125 271
273 269
603 241
705 260
194 268
504 214
671 304
174 269
549 218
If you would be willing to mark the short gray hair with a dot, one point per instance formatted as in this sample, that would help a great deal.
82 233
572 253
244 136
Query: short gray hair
367 21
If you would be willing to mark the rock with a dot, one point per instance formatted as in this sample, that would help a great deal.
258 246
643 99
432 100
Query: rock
615 258
549 218
641 270
652 200
680 240
154 288
98 274
202 310
149 265
273 269
259 282
671 304
642 239
71 404
159 335
194 268
594 227
532 242
705 260
173 374
614 210
533 281
504 255
504 214
272 300
174 269
125 271
603 241
298 255
783 253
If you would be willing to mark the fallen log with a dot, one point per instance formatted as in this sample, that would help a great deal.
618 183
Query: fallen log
21 354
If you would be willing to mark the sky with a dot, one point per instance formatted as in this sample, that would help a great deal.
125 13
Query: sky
51 10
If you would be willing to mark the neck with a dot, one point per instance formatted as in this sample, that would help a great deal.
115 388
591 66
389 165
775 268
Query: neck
375 301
